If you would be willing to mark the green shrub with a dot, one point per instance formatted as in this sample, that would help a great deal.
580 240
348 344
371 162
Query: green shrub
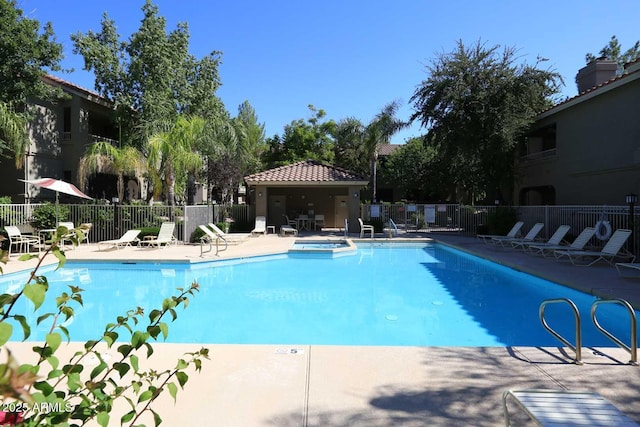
196 235
44 216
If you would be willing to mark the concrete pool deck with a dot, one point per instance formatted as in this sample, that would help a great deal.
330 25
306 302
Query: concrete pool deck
302 385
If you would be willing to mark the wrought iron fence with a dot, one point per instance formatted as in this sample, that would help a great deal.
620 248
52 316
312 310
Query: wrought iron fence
467 219
111 221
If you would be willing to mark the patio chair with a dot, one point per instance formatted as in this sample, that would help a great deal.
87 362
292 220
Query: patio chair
126 240
612 250
210 236
578 244
364 228
628 269
84 227
529 237
165 236
287 229
512 233
566 408
21 241
318 222
261 225
555 239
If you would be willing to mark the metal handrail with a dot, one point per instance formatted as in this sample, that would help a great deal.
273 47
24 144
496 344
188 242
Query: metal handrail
633 347
578 347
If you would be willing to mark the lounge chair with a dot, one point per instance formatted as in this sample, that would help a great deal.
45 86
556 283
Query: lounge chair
566 408
287 229
211 236
628 269
230 238
165 236
21 241
364 228
512 233
84 227
612 250
555 239
261 225
578 244
126 240
528 238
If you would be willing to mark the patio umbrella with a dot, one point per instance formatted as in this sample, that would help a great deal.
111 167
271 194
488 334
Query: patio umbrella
58 186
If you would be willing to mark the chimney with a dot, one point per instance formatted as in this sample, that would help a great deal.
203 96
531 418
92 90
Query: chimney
595 73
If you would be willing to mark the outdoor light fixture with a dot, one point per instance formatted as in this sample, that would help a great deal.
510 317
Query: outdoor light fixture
355 195
631 198
260 194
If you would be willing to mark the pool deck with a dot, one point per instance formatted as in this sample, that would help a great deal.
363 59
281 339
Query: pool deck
303 385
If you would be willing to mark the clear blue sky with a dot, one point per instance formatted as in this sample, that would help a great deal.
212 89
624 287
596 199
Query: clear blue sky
350 58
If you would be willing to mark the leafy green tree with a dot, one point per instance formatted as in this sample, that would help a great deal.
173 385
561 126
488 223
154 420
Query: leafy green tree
475 104
103 157
350 150
171 156
415 168
151 77
309 139
613 51
27 52
253 137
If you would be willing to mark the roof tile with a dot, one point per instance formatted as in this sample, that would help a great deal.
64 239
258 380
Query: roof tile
305 171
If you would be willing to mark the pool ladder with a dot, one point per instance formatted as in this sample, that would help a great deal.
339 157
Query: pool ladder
632 348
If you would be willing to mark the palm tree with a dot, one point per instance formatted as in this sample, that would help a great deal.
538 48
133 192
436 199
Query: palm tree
379 131
13 133
171 155
103 157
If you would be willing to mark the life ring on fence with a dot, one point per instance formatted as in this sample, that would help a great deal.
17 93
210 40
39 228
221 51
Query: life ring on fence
603 230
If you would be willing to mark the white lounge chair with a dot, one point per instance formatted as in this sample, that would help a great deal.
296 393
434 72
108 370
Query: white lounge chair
612 250
528 238
230 238
555 239
512 233
364 228
126 240
165 236
628 269
578 244
19 240
566 408
261 225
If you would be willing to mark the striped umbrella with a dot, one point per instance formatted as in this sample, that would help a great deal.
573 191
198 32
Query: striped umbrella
58 186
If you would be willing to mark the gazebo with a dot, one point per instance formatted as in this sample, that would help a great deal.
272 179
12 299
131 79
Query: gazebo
307 188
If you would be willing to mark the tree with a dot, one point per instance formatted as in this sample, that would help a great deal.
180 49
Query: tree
350 152
253 137
476 103
151 78
613 52
171 155
27 52
379 131
357 145
415 168
303 140
103 157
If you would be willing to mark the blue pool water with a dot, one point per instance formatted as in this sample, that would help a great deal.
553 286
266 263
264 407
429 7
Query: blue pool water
399 294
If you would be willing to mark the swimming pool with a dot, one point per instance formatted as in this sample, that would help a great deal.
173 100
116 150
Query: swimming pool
383 294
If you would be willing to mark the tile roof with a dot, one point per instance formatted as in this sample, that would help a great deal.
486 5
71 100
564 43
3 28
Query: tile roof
308 171
387 149
54 80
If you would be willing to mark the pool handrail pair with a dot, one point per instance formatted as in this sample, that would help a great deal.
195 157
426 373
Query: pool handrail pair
632 348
